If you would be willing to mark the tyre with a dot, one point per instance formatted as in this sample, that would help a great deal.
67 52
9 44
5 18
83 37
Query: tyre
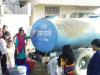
82 57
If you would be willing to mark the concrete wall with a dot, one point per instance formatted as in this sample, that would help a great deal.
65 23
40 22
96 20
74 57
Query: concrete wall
15 21
39 11
67 10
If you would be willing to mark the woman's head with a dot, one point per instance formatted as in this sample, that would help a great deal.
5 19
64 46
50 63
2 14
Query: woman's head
95 44
4 28
20 28
67 48
68 54
9 43
21 32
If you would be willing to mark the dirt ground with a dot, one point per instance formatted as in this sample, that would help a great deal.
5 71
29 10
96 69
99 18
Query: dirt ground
40 70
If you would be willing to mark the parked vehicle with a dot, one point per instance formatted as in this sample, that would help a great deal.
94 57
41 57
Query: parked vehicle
53 33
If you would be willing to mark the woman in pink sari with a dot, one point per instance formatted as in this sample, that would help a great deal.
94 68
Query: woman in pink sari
20 58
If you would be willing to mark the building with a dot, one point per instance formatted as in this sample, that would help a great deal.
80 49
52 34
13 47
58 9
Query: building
15 14
63 8
36 9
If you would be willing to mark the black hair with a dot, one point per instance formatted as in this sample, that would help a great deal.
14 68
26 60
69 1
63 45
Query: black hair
4 26
67 54
21 30
6 35
96 42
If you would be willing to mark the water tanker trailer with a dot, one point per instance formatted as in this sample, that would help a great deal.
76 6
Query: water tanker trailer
53 33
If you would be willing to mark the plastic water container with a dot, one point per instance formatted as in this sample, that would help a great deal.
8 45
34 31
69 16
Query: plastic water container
22 70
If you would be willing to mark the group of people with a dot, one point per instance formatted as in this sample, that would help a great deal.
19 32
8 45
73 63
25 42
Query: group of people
62 65
6 42
4 39
65 63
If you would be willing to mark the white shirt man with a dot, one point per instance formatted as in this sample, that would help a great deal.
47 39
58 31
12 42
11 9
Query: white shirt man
3 49
3 46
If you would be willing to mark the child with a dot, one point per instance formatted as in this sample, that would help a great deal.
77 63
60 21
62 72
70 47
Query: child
10 54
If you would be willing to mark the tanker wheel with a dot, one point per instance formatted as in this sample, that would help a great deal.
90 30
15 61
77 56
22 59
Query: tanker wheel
82 57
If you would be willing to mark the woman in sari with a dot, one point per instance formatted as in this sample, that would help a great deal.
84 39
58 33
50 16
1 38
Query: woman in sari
67 61
20 56
64 64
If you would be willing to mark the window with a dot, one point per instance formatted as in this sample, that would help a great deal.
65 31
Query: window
80 14
63 16
52 11
15 7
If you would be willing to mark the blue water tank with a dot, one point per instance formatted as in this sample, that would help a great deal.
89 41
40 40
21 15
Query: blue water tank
54 33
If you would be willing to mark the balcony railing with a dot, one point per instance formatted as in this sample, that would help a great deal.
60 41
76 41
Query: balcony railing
17 7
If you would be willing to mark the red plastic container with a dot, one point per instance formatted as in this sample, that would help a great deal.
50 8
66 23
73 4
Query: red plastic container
32 63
